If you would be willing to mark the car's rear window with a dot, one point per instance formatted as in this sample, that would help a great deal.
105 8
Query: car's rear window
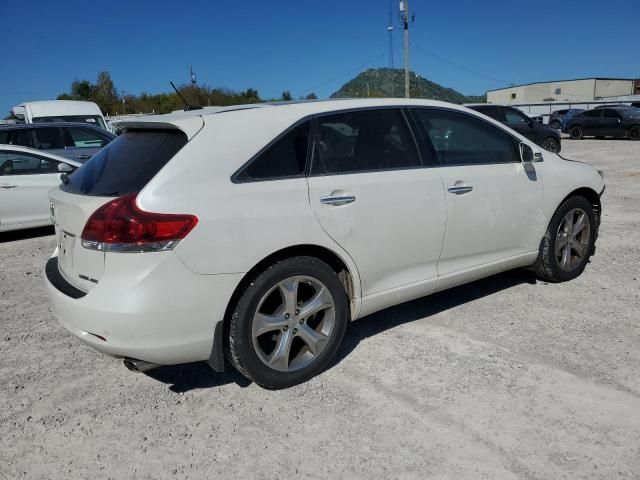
127 164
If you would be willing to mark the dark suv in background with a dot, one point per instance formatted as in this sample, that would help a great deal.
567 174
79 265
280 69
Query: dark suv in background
619 122
540 134
76 141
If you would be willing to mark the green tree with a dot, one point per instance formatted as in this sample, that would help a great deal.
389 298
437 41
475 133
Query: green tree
311 96
286 96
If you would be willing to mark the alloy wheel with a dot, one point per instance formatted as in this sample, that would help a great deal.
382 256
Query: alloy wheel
550 145
572 239
293 323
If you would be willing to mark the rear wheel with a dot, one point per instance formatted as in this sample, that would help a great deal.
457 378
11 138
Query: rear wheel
568 242
288 323
551 144
576 133
634 132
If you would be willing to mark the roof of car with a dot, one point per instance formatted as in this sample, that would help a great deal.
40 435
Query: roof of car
191 121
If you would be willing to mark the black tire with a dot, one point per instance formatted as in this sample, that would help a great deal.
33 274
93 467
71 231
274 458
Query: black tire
241 351
547 266
634 132
555 124
576 133
551 144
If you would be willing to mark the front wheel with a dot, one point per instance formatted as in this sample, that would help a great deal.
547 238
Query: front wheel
568 242
551 144
289 322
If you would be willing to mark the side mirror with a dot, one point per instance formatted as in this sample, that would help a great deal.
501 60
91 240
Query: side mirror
526 153
65 168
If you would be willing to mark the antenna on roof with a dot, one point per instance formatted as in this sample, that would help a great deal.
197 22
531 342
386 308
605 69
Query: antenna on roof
187 107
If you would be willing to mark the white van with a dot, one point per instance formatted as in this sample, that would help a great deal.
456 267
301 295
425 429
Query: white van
60 111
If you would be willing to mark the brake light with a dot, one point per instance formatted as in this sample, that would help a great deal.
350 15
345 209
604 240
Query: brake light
121 226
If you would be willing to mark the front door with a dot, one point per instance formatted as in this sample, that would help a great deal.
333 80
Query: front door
493 203
372 195
25 181
519 122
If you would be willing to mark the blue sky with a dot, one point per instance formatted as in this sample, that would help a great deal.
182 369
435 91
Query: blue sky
305 46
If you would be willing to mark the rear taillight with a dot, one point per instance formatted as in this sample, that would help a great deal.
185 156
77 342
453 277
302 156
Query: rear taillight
121 226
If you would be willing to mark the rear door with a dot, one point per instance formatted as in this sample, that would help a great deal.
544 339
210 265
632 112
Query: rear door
372 195
25 180
494 206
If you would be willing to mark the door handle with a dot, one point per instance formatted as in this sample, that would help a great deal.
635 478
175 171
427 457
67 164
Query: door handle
7 185
337 199
459 189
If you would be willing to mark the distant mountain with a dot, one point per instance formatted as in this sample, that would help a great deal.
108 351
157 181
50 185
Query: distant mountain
387 82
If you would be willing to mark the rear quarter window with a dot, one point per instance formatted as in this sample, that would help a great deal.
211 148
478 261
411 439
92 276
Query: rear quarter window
126 164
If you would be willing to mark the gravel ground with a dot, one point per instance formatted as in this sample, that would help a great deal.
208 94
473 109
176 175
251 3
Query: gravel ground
503 378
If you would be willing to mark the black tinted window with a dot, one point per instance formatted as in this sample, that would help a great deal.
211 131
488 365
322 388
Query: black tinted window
363 141
593 113
608 113
460 139
286 157
493 112
48 138
21 137
127 164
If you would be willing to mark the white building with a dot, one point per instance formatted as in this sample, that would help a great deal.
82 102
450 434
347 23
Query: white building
569 91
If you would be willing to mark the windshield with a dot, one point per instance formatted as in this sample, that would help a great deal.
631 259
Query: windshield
90 119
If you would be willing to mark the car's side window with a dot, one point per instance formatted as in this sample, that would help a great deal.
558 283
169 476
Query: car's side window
19 163
461 139
79 137
493 112
48 138
286 157
595 113
21 137
608 113
514 118
363 141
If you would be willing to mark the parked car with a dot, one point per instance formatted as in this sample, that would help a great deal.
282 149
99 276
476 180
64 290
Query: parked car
75 141
557 117
537 132
262 232
26 176
48 111
619 122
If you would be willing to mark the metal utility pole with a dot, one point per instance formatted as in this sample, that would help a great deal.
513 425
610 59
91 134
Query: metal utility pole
404 12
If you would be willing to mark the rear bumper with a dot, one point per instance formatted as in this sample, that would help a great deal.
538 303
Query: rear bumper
147 306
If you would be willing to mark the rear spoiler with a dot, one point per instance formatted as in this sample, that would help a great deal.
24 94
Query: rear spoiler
190 125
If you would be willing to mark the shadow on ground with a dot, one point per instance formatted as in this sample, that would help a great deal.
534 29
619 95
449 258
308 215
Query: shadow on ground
182 378
25 234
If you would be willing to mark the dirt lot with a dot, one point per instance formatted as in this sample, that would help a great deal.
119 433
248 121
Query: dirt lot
503 378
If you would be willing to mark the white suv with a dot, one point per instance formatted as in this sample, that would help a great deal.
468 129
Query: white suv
257 234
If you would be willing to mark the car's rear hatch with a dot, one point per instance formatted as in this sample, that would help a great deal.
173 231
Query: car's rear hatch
123 167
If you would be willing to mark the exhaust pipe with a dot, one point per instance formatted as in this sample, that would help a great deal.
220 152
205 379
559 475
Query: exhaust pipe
139 366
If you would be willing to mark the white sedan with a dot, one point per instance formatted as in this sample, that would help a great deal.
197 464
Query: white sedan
26 176
259 233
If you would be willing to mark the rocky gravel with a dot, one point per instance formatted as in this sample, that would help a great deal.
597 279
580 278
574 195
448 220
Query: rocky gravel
502 378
